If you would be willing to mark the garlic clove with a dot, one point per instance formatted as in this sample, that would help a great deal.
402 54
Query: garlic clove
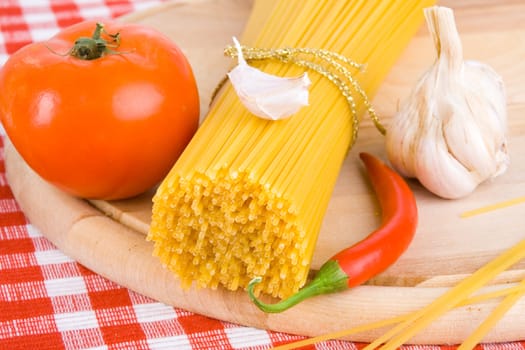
266 95
450 133
448 177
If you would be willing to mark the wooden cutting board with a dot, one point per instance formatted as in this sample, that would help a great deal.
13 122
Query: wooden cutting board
108 237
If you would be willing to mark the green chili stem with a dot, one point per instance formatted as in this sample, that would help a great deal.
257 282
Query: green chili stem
330 279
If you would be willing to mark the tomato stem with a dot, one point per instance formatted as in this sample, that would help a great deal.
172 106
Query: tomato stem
330 279
90 48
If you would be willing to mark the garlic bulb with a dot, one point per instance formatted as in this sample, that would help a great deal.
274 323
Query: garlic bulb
265 95
451 132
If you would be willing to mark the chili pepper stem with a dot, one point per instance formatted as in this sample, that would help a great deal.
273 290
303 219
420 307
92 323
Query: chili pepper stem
330 279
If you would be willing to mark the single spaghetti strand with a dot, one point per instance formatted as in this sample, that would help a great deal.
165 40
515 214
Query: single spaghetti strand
492 207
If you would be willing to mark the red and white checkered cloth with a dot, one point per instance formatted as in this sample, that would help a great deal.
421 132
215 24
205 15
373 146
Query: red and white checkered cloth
47 300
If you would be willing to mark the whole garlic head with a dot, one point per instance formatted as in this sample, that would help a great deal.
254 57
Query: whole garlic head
451 132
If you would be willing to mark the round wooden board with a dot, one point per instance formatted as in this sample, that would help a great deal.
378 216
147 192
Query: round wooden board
108 237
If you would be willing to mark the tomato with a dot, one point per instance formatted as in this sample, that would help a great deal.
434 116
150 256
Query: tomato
109 127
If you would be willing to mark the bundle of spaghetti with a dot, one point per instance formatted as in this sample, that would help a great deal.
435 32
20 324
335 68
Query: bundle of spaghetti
247 197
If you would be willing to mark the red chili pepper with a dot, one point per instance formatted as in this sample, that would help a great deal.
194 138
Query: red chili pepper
367 258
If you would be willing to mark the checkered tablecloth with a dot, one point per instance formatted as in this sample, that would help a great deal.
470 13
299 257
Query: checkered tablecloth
47 300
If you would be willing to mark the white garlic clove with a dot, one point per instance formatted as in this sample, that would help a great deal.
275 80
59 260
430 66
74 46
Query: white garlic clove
451 132
265 95
439 171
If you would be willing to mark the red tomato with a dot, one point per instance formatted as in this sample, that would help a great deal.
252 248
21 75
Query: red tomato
108 127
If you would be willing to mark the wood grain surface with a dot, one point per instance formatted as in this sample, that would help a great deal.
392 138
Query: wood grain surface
108 237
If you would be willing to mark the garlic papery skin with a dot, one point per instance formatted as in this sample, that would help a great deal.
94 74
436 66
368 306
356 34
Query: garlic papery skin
450 133
266 95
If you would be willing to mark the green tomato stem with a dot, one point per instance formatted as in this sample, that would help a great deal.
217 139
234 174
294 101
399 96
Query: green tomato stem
330 279
96 46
